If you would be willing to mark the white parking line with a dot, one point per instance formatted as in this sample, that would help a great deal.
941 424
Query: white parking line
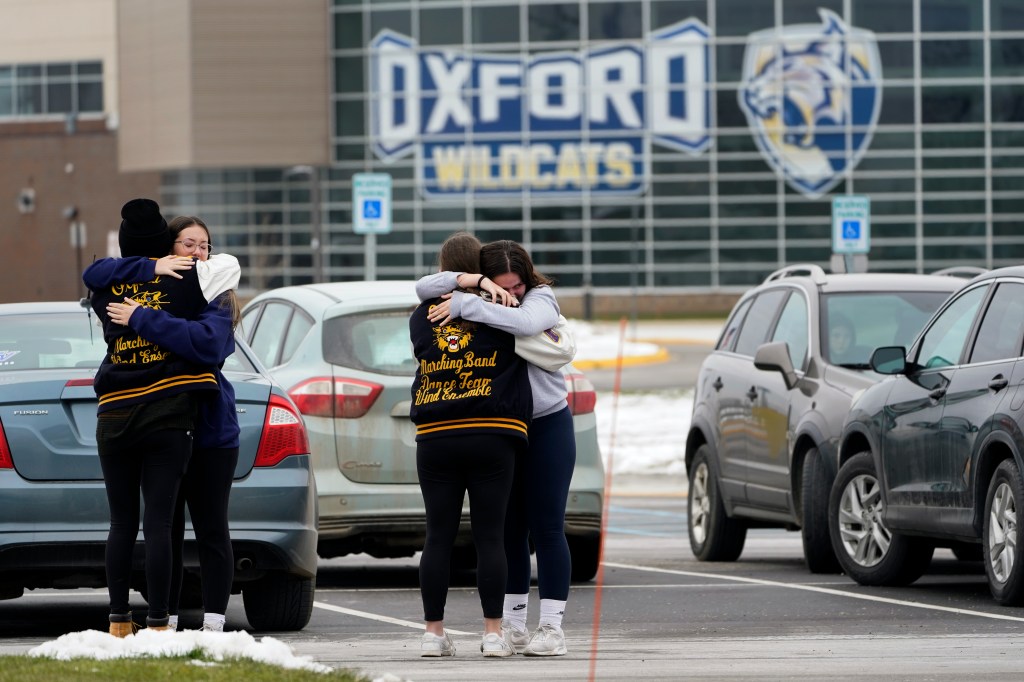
377 617
820 590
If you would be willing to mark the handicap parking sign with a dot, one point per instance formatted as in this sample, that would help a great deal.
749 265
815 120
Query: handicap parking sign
851 224
371 208
371 203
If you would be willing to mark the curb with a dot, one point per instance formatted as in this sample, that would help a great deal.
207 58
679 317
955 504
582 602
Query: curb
661 355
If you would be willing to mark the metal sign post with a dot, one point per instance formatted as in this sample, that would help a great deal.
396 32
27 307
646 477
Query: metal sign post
371 213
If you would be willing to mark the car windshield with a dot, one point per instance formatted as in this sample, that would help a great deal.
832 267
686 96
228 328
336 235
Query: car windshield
854 324
375 342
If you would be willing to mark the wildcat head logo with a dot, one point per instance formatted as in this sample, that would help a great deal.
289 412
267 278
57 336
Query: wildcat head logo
151 299
451 338
812 94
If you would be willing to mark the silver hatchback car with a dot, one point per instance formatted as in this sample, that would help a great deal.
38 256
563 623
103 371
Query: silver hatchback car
342 352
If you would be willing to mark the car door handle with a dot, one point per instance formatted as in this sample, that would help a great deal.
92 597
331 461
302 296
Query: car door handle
717 383
752 393
998 383
937 394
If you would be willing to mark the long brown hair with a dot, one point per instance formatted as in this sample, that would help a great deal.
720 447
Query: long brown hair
505 255
231 299
460 252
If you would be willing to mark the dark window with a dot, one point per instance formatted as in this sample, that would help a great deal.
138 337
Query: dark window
943 342
554 22
733 326
58 98
442 26
951 15
348 31
614 20
884 16
759 321
495 24
1000 334
396 20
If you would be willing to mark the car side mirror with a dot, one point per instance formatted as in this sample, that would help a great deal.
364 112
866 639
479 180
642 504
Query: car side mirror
775 357
889 360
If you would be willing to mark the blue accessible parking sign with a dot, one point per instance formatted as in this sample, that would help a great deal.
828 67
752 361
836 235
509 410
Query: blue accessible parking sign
371 199
851 224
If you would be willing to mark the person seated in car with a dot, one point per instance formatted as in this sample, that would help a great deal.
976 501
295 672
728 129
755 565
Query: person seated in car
842 341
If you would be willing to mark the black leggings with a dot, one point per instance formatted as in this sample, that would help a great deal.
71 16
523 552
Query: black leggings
447 468
154 463
206 488
536 509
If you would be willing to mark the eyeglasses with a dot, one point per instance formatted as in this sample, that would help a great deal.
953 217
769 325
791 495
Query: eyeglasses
190 245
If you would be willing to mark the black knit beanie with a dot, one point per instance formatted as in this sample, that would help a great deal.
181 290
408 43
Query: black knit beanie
143 230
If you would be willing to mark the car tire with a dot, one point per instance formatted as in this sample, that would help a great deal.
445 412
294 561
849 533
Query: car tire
1003 563
866 549
815 487
713 535
278 602
585 552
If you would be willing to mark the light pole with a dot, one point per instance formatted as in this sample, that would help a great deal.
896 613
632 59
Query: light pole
316 224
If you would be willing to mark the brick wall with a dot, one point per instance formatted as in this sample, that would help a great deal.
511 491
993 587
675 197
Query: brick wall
63 169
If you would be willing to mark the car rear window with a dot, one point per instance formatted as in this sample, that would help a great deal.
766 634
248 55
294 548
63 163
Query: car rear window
373 342
872 320
50 340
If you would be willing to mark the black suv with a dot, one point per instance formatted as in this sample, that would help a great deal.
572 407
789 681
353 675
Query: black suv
771 398
933 456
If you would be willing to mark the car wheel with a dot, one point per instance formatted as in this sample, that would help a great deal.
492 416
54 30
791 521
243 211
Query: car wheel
713 535
817 541
867 550
585 552
1002 563
278 602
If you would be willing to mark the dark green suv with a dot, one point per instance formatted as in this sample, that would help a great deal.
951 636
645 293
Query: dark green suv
931 457
771 399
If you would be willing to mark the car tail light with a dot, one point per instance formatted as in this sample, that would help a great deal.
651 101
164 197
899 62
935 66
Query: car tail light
6 458
582 397
79 382
335 398
284 434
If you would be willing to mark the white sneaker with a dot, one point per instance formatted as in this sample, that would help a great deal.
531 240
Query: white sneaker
433 645
516 637
494 645
547 640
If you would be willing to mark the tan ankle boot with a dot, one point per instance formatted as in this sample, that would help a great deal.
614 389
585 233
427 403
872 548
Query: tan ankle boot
158 627
123 629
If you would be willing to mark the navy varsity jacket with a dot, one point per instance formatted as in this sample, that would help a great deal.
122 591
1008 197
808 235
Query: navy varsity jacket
208 340
135 370
469 379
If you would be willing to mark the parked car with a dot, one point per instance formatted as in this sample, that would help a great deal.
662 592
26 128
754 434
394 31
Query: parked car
343 353
53 506
771 398
932 455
